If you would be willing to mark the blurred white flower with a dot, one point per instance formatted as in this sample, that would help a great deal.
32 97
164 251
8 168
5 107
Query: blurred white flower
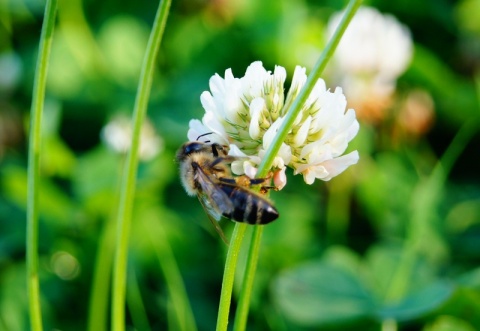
374 51
246 113
117 135
373 44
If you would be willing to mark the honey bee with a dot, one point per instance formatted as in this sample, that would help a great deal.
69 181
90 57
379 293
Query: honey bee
205 173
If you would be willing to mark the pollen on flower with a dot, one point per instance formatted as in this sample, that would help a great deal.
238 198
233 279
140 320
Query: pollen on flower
245 114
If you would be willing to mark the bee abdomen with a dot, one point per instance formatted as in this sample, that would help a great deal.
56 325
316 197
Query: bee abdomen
249 207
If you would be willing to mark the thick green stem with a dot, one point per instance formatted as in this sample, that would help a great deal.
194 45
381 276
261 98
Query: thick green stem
229 275
34 165
267 162
127 190
247 286
263 169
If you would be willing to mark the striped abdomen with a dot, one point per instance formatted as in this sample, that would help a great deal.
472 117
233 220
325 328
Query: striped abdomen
248 207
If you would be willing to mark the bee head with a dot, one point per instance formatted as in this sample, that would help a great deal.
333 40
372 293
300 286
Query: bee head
188 149
193 147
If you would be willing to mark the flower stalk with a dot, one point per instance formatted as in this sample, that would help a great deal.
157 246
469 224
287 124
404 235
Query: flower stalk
38 99
293 110
241 314
127 190
229 275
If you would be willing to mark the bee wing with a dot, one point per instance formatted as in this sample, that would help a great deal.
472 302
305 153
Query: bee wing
212 197
214 200
211 210
213 215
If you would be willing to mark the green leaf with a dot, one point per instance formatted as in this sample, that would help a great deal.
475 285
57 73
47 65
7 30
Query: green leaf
318 293
470 279
419 303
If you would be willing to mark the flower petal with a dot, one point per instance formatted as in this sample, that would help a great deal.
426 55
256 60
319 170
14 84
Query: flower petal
250 170
271 132
302 133
215 126
338 165
233 150
196 129
280 178
256 108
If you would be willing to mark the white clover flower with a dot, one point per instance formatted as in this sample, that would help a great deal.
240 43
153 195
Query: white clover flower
373 44
246 113
117 135
374 51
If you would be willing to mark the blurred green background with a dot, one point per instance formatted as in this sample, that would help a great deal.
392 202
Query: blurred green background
393 243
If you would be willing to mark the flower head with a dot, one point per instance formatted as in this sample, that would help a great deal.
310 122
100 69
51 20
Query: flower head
246 113
374 44
117 135
374 51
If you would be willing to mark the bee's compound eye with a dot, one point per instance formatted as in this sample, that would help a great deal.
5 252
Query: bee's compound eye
193 148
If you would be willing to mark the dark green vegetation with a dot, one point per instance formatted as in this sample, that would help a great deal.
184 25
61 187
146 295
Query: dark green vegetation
395 238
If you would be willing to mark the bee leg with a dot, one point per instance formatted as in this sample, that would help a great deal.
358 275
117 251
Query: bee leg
227 180
218 150
227 159
243 181
215 148
246 181
265 189
258 181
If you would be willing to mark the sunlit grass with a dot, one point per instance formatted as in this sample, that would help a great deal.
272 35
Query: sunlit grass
34 152
127 190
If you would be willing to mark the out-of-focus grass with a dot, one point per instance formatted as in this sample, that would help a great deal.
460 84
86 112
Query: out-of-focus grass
351 230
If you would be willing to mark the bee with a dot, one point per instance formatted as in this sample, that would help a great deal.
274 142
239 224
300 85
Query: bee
205 172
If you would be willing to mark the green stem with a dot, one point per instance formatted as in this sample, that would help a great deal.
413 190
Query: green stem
296 106
229 275
127 190
98 305
389 325
247 286
38 99
272 151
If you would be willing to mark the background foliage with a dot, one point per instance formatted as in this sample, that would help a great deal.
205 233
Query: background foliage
394 239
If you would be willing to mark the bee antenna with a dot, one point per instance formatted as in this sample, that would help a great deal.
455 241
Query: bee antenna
202 135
